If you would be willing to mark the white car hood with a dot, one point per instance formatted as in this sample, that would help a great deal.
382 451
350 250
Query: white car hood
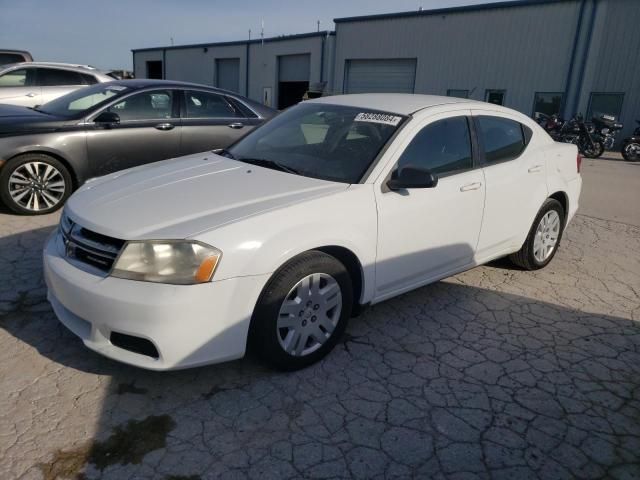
182 197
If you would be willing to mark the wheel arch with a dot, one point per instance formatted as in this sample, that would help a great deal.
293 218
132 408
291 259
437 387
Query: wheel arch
345 256
563 198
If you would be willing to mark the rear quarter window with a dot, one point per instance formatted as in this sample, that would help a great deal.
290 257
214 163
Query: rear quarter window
502 139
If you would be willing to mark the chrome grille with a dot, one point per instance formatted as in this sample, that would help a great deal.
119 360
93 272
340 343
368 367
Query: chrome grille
89 247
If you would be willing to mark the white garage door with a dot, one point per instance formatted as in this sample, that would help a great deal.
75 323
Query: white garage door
228 74
294 68
380 75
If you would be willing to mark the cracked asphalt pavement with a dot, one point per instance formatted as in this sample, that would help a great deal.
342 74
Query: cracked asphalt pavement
494 373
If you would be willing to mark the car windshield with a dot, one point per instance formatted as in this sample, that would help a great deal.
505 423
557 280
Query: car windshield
330 142
76 102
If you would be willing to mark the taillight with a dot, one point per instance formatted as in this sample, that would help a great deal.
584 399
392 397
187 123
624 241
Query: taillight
579 162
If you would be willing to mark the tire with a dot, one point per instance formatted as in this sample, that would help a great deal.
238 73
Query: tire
35 184
283 302
596 152
631 151
528 257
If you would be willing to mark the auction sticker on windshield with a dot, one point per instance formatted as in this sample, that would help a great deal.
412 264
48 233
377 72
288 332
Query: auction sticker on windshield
378 118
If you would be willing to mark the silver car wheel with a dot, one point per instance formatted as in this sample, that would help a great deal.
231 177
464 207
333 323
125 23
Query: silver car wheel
547 235
36 186
309 314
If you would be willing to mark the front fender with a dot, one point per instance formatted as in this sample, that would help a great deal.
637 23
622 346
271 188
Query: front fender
261 244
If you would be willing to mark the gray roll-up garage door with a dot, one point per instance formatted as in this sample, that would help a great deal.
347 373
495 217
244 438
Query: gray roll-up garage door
293 68
380 75
228 74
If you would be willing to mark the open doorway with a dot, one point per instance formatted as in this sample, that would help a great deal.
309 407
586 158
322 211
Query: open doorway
154 69
293 79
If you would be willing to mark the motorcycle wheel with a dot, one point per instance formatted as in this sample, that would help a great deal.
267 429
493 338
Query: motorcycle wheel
596 152
631 151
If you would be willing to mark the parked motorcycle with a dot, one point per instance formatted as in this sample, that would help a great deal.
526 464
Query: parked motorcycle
605 126
631 146
575 131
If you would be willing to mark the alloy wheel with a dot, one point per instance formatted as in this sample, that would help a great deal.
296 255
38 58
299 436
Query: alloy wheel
547 235
36 186
309 314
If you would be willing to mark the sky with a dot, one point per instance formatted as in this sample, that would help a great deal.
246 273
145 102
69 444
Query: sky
103 32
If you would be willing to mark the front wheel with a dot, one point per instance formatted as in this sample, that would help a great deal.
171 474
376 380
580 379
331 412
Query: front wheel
302 312
593 152
34 184
544 237
631 151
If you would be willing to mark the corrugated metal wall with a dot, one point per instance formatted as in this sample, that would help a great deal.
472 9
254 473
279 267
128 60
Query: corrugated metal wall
613 63
519 49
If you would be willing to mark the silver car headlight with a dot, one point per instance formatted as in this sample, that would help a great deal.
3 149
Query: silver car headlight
179 262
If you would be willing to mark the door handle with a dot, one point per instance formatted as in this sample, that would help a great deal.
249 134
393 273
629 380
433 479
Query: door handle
470 186
31 94
236 125
164 126
535 169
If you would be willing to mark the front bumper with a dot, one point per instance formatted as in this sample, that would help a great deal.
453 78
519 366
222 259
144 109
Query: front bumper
189 325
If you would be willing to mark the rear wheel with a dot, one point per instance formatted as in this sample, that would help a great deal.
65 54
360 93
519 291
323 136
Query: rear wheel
34 184
544 237
631 151
302 312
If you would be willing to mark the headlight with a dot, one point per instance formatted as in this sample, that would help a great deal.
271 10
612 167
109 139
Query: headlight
176 262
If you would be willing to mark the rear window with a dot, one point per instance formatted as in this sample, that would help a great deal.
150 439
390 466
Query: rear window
502 139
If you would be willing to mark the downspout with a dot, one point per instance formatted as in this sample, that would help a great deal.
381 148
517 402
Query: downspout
583 66
164 63
246 73
322 59
573 59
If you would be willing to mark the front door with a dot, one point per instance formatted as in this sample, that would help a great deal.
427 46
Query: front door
149 131
425 234
210 121
18 87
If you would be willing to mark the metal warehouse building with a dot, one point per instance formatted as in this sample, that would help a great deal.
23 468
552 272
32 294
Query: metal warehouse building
553 56
276 71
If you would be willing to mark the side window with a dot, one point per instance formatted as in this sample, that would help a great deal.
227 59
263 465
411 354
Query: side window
88 79
495 96
502 139
443 146
15 78
207 105
145 106
52 77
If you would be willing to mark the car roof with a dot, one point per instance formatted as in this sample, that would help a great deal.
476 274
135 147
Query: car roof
72 66
147 82
400 103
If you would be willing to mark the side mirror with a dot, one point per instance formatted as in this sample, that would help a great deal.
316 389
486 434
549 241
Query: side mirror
107 119
412 177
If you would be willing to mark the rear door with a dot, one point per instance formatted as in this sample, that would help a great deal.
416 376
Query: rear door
515 177
211 120
18 87
149 131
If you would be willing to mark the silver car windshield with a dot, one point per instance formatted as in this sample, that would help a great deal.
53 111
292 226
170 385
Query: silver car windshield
330 142
77 102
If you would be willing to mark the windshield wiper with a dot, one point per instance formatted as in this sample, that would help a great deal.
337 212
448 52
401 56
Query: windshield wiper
263 162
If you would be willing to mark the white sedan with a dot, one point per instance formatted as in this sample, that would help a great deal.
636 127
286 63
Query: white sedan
273 244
